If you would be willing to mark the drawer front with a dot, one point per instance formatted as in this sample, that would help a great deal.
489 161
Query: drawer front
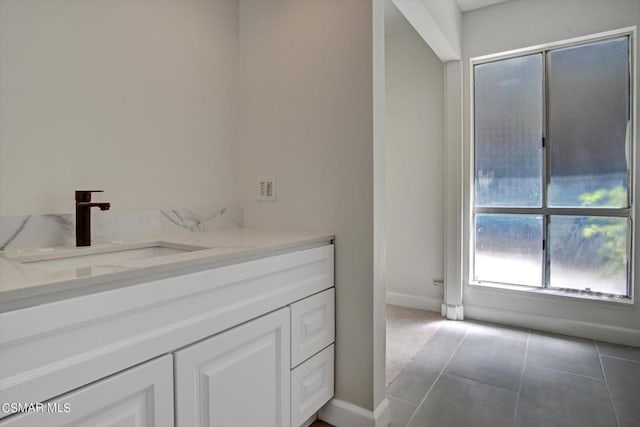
311 386
138 397
312 325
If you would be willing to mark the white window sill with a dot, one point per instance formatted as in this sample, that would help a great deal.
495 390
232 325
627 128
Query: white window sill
580 295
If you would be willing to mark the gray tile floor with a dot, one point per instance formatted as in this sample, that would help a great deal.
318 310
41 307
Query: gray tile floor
482 374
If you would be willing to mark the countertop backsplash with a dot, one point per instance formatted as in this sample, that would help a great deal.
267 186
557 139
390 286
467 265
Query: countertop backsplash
34 231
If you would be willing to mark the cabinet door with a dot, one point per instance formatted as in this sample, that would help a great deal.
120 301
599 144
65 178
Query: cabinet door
137 397
239 378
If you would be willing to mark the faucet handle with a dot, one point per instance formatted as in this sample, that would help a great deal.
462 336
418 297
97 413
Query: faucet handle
85 195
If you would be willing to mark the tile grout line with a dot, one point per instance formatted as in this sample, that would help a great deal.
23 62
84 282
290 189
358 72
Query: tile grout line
606 383
401 400
524 366
479 382
438 377
570 373
618 358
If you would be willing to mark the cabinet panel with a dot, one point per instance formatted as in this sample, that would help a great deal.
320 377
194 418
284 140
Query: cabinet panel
312 325
311 386
139 397
237 378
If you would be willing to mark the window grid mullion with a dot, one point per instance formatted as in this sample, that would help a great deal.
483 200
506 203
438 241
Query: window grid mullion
545 251
630 130
545 170
630 261
577 211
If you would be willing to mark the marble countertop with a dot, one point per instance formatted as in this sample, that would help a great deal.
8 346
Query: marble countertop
23 285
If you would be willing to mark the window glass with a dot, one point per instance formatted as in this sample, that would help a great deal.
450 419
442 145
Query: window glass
588 119
580 96
588 253
508 249
508 132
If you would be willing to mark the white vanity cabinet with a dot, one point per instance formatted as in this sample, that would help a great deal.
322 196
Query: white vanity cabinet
138 397
236 378
212 347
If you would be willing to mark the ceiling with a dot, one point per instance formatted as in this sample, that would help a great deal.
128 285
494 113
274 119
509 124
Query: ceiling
394 21
467 5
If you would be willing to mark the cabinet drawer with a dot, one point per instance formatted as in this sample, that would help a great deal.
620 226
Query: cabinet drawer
312 325
311 386
138 397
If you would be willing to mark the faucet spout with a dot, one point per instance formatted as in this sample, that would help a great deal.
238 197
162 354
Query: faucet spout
83 215
103 206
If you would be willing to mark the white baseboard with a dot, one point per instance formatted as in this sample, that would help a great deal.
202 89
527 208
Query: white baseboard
576 328
382 414
413 301
344 414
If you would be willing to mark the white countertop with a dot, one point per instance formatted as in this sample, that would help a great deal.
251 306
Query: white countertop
23 285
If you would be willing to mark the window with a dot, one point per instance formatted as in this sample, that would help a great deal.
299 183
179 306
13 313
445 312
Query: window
552 168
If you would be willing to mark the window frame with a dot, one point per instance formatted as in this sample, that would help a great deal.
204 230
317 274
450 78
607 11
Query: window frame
545 211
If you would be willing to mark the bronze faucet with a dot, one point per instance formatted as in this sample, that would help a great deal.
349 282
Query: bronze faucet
83 215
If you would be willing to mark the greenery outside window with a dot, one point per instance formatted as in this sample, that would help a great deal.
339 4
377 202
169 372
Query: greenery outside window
552 167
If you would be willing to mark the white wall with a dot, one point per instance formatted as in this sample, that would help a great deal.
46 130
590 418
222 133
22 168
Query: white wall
518 24
306 117
414 175
137 98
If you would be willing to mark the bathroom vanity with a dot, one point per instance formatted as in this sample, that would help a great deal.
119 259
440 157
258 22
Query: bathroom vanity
238 332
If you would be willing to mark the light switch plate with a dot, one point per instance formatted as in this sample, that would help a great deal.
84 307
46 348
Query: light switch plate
267 188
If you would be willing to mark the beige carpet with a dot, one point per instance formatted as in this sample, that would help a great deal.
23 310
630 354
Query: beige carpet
408 330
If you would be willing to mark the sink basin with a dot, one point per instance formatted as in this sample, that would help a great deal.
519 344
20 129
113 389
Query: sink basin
73 258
